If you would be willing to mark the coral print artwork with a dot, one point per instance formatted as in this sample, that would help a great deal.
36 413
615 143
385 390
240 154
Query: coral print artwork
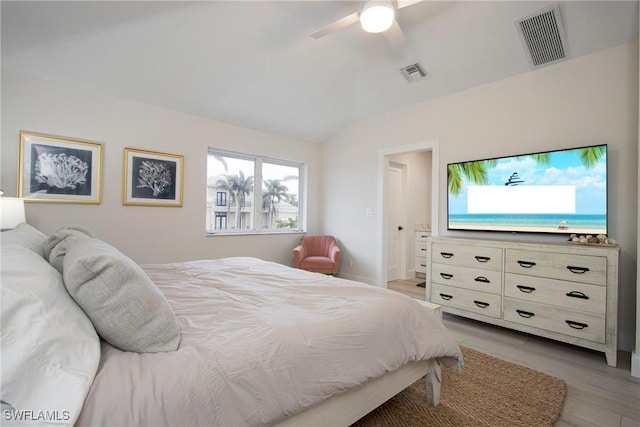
56 169
152 178
60 171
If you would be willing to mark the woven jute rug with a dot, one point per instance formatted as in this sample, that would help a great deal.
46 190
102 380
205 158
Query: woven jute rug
489 392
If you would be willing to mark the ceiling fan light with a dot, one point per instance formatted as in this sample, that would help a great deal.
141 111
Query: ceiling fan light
377 16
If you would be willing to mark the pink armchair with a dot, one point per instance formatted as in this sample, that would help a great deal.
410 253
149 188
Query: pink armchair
318 253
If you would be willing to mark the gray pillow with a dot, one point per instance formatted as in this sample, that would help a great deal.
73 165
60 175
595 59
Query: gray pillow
55 248
127 309
26 236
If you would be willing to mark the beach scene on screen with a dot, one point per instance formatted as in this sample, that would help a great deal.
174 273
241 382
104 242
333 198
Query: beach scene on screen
553 192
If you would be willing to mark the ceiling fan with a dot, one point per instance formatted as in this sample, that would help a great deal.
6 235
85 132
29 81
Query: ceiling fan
376 16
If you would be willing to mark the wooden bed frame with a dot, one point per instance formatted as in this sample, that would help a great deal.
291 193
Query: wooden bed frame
348 407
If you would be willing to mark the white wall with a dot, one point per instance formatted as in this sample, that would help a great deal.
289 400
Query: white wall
589 100
147 234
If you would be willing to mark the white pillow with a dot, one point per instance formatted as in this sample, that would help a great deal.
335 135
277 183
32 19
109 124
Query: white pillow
26 236
50 350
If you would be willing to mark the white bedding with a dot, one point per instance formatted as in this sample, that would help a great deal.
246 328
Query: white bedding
260 341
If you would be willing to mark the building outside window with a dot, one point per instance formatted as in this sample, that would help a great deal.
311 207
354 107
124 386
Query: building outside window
272 206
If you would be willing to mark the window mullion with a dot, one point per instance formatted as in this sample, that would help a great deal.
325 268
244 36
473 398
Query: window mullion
257 194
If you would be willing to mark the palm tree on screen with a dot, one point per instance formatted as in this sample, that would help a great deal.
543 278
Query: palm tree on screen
590 156
475 172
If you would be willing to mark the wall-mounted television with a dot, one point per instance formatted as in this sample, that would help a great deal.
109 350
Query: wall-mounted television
562 191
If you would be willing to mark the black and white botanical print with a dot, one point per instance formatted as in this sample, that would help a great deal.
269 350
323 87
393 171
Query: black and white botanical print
153 178
60 170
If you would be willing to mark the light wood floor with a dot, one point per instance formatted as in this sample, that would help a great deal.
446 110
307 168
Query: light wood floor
598 395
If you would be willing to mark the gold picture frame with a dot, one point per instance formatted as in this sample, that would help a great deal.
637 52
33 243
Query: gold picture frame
152 178
55 169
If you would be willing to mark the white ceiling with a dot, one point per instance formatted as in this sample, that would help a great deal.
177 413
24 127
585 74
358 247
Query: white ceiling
254 64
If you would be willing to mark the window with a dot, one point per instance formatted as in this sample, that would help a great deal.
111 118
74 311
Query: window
221 198
221 220
235 203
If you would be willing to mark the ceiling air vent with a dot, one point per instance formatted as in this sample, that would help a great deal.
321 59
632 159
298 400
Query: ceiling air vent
413 72
543 37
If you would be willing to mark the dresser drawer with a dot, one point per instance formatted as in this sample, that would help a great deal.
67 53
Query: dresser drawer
469 278
555 319
421 265
467 256
576 268
421 248
422 236
465 299
572 295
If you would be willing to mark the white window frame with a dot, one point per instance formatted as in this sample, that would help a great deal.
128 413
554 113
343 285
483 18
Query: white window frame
257 193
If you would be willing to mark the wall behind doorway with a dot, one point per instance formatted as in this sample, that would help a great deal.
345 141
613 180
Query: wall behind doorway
418 198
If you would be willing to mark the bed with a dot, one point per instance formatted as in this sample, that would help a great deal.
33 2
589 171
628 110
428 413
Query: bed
227 342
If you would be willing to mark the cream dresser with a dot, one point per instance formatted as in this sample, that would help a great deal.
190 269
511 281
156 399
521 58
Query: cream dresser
421 251
564 292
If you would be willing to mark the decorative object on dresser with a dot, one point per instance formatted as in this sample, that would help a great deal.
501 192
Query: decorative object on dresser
560 291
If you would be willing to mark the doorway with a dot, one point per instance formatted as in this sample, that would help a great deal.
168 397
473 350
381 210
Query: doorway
395 209
427 218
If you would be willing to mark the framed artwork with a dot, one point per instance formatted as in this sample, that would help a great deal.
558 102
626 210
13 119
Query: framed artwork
152 178
59 169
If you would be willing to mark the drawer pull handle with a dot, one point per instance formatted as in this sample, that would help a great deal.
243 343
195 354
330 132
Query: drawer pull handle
482 279
423 265
576 325
525 314
446 297
525 289
446 254
446 275
481 304
577 270
576 294
482 258
526 264
423 249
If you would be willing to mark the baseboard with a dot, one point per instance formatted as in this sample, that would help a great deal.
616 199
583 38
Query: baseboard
635 365
357 278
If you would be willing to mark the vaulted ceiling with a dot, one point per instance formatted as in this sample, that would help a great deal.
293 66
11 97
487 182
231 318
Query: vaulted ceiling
254 64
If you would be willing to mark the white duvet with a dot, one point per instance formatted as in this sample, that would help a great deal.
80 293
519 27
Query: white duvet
259 341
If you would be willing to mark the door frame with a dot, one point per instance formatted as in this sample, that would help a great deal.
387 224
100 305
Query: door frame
382 238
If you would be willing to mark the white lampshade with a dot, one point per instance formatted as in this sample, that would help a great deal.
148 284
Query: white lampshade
377 16
12 212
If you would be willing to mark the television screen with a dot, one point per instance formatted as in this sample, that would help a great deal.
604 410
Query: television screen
563 191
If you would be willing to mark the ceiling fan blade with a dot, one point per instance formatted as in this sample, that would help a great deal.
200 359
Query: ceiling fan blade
404 3
395 36
340 23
